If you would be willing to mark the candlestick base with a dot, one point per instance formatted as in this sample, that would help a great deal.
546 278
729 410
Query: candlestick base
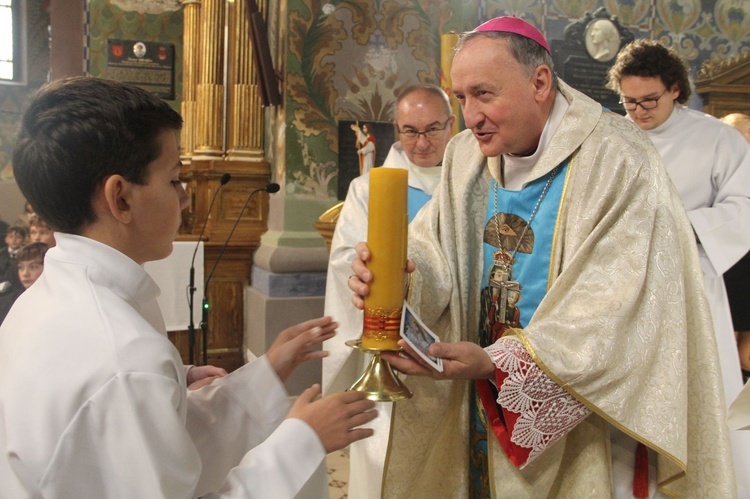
378 381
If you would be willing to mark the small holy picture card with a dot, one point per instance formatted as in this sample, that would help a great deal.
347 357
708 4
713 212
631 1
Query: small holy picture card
419 337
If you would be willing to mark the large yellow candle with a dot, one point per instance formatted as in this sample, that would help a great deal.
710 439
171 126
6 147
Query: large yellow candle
387 224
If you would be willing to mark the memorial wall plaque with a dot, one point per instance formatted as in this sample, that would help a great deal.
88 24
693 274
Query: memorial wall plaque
587 52
149 65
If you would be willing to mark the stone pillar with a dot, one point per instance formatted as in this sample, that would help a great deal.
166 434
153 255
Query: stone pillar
288 280
289 268
66 38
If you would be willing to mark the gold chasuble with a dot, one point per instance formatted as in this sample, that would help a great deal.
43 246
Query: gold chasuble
623 327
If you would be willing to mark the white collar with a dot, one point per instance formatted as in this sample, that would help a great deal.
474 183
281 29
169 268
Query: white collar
517 168
105 265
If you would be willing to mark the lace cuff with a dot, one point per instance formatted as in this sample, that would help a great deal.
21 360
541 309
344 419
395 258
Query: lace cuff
536 412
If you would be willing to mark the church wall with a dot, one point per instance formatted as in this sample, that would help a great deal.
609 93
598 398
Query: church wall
397 42
145 20
13 98
348 60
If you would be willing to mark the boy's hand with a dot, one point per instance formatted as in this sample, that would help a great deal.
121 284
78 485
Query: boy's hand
200 376
335 417
295 344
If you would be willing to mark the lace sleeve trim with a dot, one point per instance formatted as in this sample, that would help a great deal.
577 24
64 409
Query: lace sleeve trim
545 411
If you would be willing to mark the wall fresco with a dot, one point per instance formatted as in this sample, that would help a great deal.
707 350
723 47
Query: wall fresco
347 60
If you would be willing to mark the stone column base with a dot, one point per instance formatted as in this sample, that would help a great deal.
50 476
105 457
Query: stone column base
276 301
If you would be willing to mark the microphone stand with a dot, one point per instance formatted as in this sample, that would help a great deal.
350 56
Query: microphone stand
270 188
191 286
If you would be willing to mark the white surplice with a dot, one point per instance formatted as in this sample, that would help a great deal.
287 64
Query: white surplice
93 397
739 412
709 163
344 365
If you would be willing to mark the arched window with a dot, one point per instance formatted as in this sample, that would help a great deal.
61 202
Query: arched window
12 69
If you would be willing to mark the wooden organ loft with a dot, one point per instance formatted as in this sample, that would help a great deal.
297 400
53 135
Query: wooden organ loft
725 86
223 133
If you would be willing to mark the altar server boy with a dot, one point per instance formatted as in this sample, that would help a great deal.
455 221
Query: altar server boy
93 396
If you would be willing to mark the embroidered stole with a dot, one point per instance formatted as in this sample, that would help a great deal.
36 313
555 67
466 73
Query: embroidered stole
510 301
416 199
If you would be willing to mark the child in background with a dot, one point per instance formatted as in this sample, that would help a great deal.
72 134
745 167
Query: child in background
40 232
14 239
4 226
29 266
25 217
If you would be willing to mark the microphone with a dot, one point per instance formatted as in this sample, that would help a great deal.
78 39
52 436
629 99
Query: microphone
191 286
270 188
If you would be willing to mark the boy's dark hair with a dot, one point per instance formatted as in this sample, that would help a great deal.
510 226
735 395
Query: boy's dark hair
78 131
17 229
32 252
650 59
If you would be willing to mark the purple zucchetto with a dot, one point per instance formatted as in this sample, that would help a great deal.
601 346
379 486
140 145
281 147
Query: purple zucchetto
513 24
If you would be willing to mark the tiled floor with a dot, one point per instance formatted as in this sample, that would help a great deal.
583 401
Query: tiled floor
338 474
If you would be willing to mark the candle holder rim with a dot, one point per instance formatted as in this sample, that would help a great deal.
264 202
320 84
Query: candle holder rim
357 344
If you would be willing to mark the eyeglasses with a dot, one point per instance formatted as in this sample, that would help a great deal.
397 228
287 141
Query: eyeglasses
431 133
646 104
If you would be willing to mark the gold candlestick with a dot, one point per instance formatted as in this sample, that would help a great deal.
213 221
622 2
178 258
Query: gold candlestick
378 381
